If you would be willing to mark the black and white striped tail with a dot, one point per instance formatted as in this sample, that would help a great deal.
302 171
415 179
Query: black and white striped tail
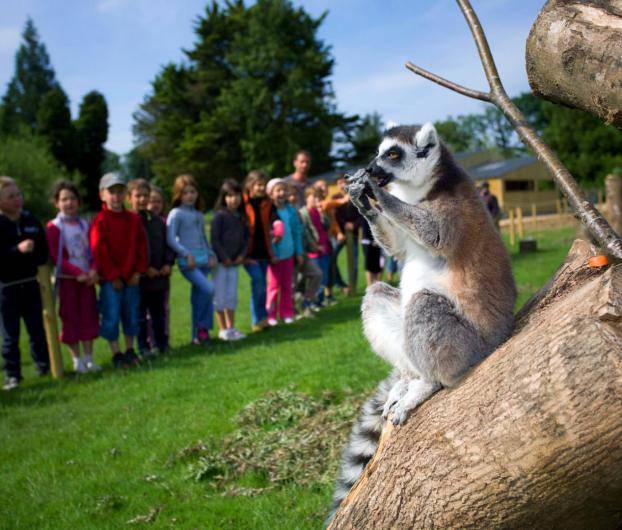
362 444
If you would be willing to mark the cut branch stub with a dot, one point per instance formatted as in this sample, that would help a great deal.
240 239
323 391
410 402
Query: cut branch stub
574 56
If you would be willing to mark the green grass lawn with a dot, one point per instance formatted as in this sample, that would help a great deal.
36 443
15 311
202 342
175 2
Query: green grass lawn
125 448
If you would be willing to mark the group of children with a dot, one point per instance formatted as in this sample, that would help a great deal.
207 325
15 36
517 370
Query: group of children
130 253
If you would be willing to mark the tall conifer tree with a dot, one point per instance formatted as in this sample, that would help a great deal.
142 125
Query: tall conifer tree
91 135
54 124
33 78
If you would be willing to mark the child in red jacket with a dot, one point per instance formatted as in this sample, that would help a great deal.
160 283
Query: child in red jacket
119 248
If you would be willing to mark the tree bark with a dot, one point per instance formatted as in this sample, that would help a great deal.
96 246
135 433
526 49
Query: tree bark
574 56
613 203
531 438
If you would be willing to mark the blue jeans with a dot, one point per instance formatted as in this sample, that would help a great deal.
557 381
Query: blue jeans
323 262
257 273
201 298
116 306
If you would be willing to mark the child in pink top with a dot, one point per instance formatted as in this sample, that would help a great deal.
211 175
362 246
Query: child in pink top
315 225
68 240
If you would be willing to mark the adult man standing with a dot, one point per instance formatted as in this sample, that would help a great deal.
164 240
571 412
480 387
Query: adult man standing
491 202
299 179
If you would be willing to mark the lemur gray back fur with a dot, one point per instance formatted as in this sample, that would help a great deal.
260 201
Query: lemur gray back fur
456 296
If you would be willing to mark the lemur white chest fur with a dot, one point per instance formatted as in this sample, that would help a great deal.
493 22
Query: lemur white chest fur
421 269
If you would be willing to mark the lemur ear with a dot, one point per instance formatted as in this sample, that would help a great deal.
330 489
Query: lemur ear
426 137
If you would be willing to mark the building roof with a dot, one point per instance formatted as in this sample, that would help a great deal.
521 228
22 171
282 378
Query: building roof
500 168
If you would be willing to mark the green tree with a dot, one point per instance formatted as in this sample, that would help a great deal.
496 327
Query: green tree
138 166
463 133
589 149
33 78
28 160
112 162
91 135
254 90
54 124
362 140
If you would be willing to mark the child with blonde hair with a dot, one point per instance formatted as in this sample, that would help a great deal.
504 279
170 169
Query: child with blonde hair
195 258
22 249
287 247
260 214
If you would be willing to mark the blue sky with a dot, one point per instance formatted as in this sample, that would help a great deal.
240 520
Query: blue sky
118 46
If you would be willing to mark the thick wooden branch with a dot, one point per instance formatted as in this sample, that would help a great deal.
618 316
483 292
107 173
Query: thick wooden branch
529 439
574 56
591 218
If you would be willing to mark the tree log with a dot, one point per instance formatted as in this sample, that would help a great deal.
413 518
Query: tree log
574 56
531 438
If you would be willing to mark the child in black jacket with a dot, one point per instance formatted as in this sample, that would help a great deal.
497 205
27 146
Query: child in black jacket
23 247
154 284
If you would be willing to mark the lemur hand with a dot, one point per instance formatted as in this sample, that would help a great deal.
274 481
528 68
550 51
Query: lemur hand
357 187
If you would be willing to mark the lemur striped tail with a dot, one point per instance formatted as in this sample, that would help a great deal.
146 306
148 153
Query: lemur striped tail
362 444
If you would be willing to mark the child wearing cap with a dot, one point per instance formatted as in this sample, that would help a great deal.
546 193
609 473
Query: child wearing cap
22 249
119 249
286 246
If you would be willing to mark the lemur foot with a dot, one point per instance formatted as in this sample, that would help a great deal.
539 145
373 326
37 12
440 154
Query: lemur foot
395 394
418 391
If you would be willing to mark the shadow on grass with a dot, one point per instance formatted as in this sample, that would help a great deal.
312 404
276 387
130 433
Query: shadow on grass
44 390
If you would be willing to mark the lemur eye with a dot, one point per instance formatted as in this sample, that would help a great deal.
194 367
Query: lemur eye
393 155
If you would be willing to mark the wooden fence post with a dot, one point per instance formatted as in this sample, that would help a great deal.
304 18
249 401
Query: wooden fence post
49 321
521 226
613 190
351 264
534 217
512 227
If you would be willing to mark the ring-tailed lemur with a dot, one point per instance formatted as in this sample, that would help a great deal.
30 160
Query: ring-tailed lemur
456 297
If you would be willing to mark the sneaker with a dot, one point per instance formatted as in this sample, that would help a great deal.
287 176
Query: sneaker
92 366
330 300
147 355
272 322
131 358
236 334
79 366
315 307
119 360
224 334
288 320
10 383
203 336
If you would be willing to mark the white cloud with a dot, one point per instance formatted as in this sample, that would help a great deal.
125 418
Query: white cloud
9 40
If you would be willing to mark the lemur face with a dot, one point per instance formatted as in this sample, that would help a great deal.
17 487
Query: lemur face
406 154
